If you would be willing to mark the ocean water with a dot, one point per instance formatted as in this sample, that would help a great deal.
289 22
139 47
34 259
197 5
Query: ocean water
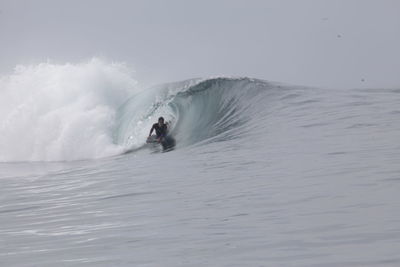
263 174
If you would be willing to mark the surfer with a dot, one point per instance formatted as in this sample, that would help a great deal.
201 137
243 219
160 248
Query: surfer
161 129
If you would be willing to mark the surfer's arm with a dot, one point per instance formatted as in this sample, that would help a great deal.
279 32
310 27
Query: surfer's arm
151 130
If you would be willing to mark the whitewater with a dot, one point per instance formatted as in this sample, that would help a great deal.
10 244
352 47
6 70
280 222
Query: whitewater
263 173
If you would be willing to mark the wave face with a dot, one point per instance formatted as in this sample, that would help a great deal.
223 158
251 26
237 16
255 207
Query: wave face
93 110
199 110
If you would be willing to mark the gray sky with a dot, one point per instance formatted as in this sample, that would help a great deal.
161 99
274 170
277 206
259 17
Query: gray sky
329 43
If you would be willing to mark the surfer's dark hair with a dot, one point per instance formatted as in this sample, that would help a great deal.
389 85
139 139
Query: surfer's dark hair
161 119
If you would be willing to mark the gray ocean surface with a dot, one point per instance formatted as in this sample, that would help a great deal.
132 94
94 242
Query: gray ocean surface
262 175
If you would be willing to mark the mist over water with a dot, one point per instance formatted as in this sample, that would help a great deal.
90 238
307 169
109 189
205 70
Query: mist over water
263 174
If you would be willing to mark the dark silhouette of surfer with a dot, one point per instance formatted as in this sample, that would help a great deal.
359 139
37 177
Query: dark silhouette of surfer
162 137
161 129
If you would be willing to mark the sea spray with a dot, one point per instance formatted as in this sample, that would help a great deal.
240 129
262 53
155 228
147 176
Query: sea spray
51 112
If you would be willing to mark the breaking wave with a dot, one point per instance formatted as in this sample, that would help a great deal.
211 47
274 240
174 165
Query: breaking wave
52 112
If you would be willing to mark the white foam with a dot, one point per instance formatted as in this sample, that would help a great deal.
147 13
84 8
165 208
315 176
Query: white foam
51 112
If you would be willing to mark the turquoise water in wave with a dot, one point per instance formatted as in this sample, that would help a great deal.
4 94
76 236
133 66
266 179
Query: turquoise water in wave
263 174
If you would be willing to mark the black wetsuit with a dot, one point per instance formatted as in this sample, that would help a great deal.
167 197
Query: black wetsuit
160 131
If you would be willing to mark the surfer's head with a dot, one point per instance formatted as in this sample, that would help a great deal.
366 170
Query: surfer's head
161 120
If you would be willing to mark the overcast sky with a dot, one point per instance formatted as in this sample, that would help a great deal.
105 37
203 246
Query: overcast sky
328 43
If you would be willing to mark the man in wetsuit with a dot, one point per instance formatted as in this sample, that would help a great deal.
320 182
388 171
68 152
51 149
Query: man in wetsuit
161 129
